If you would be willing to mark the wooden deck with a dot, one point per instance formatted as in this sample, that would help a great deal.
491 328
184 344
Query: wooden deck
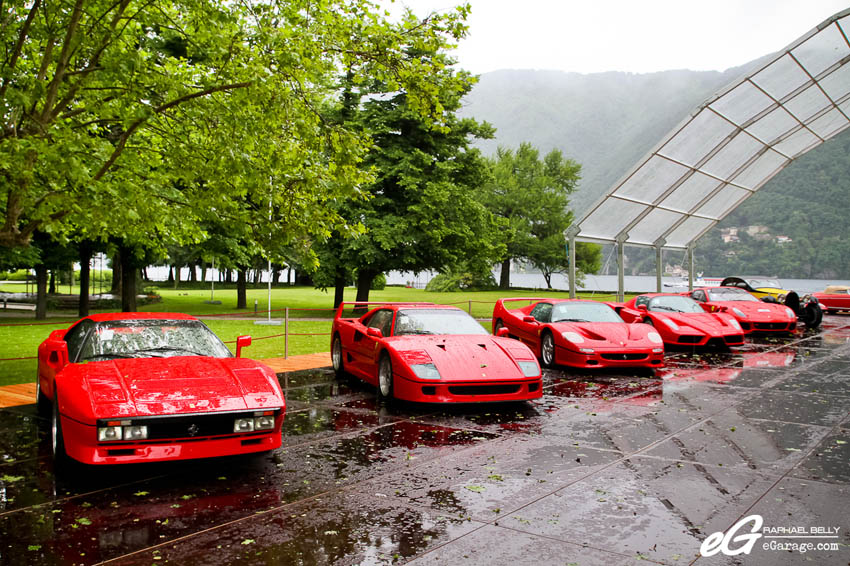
24 393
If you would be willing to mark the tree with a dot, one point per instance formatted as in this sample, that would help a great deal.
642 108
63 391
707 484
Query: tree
420 213
142 120
532 197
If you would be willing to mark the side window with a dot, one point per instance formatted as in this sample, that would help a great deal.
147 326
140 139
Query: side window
642 300
699 295
542 312
382 320
76 336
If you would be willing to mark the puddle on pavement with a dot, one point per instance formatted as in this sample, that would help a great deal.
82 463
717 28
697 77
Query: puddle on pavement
316 422
829 460
340 529
305 377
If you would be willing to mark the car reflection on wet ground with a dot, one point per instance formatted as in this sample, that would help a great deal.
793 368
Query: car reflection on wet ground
605 469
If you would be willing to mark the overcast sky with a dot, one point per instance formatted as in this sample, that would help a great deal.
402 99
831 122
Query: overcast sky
639 36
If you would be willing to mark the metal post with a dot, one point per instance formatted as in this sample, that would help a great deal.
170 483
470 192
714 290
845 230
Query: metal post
621 285
212 281
470 307
286 333
690 268
570 235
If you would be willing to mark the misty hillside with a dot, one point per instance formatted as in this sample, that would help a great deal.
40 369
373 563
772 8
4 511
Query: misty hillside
605 121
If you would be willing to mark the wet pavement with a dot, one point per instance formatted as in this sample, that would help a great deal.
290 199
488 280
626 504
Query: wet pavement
612 468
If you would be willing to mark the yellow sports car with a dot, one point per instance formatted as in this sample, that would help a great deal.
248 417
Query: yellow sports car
769 290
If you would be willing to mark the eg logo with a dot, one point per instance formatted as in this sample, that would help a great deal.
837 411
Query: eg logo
719 542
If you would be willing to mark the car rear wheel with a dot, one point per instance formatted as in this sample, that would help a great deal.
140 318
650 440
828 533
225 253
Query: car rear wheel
499 325
57 440
336 356
385 377
547 349
42 403
648 321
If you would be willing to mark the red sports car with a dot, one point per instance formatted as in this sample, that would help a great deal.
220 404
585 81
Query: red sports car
144 387
431 353
681 321
835 298
579 333
752 314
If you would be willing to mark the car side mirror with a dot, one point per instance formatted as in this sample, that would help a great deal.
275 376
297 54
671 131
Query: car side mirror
57 354
529 318
503 332
374 332
242 342
642 308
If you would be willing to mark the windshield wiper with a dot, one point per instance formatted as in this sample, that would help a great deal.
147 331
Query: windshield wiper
109 356
170 349
571 320
664 308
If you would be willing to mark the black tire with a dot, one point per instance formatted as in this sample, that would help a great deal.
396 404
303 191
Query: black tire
547 349
498 326
42 403
812 315
337 356
56 438
648 321
385 378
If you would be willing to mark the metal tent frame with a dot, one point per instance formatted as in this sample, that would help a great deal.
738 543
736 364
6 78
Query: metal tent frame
726 150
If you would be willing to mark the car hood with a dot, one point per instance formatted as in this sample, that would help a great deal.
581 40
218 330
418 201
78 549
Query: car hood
705 323
609 334
165 386
757 310
464 357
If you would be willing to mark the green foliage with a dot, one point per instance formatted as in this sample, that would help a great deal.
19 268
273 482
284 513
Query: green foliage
170 122
379 282
453 281
532 197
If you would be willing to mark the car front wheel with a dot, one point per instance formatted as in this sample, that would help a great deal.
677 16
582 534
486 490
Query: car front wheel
385 377
42 403
547 349
336 356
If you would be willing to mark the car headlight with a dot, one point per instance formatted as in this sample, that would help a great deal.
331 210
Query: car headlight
655 337
425 371
586 350
264 423
670 323
790 313
107 433
121 430
657 350
136 432
573 337
529 369
738 311
262 420
243 425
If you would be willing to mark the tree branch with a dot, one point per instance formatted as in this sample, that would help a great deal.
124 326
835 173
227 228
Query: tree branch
19 45
119 147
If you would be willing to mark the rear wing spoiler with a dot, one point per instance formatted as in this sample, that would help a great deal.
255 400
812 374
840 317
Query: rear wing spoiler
360 308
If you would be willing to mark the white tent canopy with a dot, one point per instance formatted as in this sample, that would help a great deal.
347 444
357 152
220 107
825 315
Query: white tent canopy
728 148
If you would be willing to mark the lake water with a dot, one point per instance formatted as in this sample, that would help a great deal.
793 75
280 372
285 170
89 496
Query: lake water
608 283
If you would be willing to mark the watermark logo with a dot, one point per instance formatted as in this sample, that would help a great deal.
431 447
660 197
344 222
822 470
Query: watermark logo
794 539
720 542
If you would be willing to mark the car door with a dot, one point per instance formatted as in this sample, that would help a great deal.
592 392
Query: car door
364 347
529 332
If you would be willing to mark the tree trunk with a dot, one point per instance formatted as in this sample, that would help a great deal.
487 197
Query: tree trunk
85 278
364 285
548 277
128 281
203 272
52 288
41 292
176 276
339 290
116 274
242 289
170 274
144 273
505 275
193 276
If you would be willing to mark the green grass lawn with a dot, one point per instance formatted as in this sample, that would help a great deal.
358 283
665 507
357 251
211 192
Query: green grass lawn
20 336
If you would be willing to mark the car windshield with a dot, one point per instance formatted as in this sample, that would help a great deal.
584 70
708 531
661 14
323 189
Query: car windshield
436 321
730 294
759 283
153 338
581 311
674 303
